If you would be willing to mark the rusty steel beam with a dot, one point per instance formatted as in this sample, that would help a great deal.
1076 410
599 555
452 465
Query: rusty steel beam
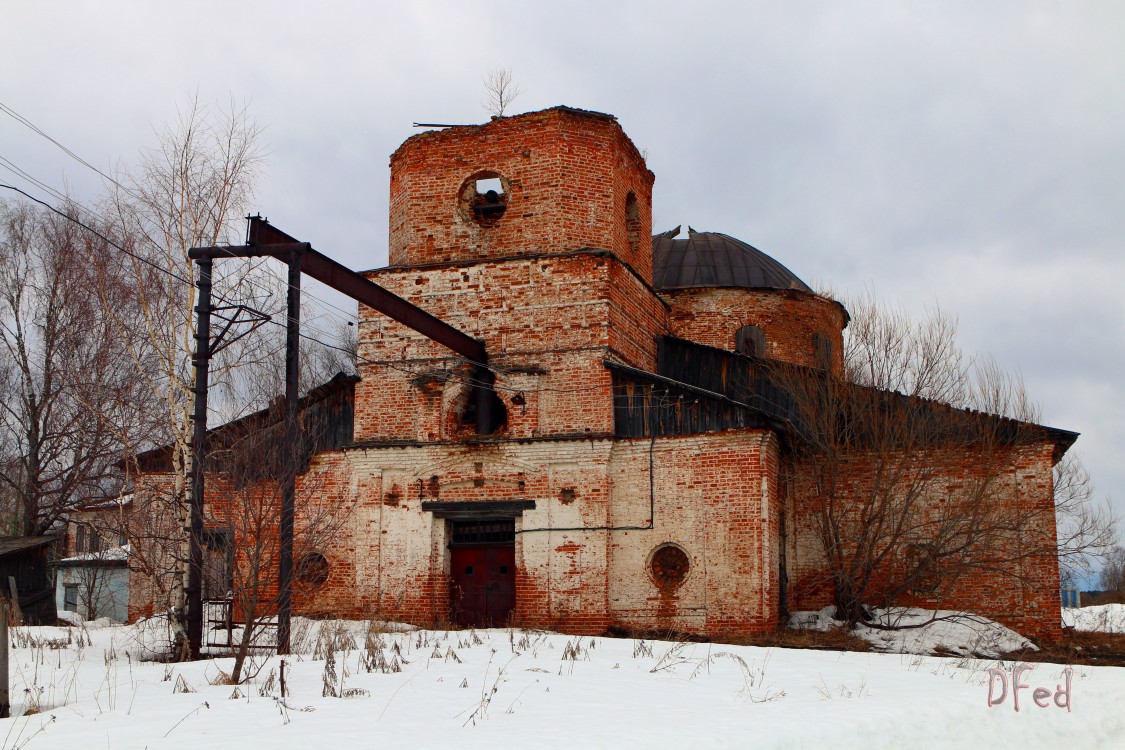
343 279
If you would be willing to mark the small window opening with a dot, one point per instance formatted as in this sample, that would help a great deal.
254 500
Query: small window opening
70 597
632 223
486 197
751 341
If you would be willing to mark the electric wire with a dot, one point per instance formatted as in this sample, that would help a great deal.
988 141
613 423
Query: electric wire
98 234
465 380
26 122
36 129
658 395
348 317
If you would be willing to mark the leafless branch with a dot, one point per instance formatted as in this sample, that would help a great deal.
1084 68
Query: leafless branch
500 91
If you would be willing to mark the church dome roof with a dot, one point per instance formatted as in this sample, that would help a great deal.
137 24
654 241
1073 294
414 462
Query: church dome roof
713 259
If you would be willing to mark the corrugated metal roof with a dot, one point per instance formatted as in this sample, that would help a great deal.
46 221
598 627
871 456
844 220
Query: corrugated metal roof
713 259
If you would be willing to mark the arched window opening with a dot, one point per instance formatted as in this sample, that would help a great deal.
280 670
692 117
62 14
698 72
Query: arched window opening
460 403
632 223
822 351
313 569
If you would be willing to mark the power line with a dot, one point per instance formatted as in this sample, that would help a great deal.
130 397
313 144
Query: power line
36 129
12 167
26 122
98 234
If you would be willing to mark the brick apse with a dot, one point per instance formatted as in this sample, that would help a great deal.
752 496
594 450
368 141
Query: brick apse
633 482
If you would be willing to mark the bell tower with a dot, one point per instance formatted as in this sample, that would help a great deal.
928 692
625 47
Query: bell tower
546 182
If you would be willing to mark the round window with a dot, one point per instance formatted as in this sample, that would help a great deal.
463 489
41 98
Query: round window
484 197
669 566
313 569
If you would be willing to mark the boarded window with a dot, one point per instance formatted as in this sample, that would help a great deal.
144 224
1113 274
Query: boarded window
822 351
751 341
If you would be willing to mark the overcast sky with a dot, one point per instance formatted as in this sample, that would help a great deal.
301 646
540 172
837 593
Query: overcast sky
967 154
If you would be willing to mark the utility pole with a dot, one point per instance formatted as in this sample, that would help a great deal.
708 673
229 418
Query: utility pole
290 450
5 695
201 361
267 241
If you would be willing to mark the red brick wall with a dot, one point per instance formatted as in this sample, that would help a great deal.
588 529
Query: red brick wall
568 177
789 319
712 495
547 323
1018 589
713 498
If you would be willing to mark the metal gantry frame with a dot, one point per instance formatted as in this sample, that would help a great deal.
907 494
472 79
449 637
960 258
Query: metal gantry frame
265 240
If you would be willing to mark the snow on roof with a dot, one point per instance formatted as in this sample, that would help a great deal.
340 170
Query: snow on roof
113 554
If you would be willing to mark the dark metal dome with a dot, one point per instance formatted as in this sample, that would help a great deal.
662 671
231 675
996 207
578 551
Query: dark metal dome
712 259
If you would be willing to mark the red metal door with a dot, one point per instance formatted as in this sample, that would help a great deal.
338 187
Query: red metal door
482 580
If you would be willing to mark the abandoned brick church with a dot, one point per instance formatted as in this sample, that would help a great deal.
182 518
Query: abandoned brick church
633 475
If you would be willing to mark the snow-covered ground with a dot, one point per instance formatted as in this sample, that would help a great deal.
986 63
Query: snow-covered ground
1108 618
512 688
919 631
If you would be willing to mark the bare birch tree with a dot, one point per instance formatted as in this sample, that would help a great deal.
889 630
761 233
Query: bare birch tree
190 191
500 90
